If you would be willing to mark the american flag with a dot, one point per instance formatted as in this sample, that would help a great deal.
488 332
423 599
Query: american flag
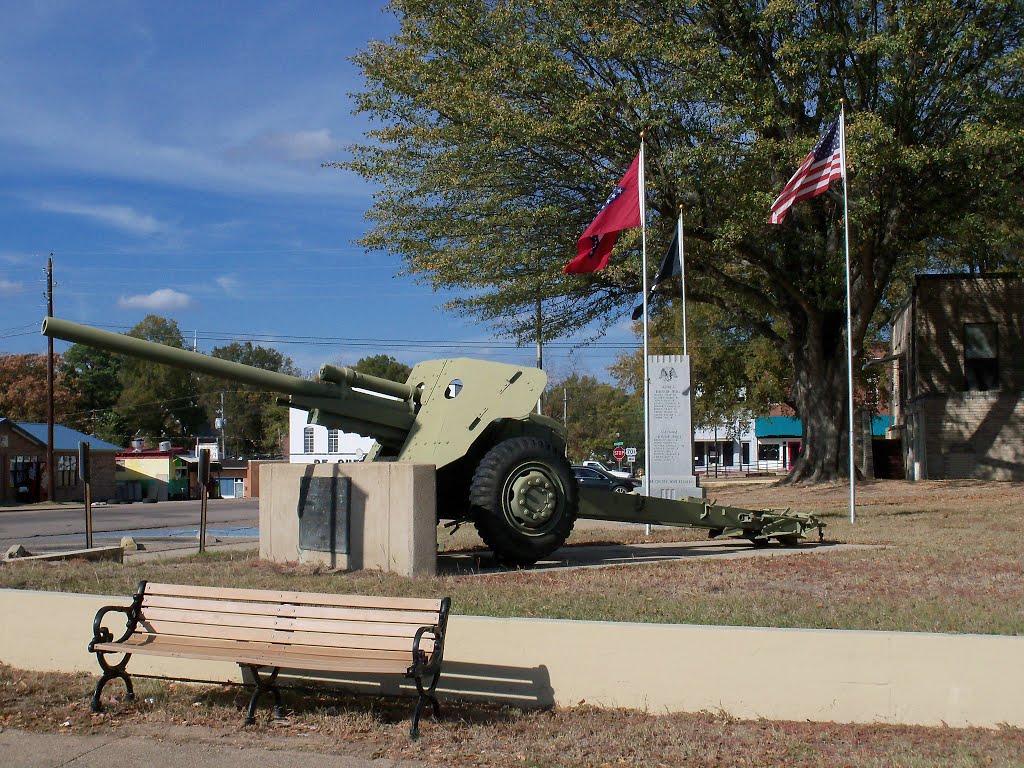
812 178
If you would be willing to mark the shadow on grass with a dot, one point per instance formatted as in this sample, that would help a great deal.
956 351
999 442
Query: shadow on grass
469 693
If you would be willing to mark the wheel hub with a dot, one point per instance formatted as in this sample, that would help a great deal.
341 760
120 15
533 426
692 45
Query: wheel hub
533 499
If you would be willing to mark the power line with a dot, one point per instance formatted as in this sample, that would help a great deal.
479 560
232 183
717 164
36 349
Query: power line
280 338
18 327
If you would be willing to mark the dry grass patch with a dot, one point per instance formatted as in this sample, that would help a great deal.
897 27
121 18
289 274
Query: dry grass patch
491 735
953 561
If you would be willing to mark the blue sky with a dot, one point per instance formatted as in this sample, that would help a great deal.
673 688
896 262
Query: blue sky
169 156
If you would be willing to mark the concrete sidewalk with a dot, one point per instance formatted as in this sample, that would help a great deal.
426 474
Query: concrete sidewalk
25 749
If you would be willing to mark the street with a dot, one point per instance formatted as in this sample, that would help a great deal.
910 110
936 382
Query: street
48 530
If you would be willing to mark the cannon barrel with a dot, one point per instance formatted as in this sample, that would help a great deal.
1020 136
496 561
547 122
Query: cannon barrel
386 415
354 378
183 358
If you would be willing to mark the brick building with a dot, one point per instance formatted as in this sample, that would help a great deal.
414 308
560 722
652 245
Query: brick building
958 377
23 463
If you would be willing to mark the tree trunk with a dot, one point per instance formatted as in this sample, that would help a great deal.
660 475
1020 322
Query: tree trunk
820 397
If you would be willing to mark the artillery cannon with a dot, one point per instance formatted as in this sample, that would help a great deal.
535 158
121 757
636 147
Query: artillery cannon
498 464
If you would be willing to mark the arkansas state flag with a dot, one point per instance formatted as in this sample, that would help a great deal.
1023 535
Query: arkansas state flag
620 211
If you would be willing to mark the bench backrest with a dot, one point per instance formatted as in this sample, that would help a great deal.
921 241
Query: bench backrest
314 620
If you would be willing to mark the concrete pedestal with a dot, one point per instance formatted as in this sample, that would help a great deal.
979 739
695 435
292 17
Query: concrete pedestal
391 511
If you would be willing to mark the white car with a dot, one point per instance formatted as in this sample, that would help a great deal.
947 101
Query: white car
609 470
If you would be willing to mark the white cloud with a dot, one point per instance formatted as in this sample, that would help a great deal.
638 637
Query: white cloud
228 283
10 287
119 216
306 147
162 299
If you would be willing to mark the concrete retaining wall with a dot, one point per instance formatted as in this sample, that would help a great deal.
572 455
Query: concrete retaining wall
747 672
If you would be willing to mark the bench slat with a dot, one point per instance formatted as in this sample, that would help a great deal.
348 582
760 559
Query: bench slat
298 598
141 642
418 618
246 654
297 638
209 617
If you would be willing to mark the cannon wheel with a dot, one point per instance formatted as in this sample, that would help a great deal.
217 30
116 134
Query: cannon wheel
524 500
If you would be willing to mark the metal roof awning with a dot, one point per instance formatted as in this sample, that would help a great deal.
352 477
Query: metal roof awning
777 426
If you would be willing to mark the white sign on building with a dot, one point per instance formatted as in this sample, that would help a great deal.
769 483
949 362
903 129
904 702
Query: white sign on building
213 448
670 429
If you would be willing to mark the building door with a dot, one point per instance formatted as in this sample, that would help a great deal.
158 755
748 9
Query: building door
792 453
726 454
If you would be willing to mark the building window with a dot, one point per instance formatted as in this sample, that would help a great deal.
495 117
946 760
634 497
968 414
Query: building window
768 452
24 469
745 453
712 453
67 471
698 454
333 438
981 356
307 440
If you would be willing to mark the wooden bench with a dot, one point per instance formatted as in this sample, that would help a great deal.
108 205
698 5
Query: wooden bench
269 630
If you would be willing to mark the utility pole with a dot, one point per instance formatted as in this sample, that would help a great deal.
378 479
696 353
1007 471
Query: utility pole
51 483
223 442
540 348
565 417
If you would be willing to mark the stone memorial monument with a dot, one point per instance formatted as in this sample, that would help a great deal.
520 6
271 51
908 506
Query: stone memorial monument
671 429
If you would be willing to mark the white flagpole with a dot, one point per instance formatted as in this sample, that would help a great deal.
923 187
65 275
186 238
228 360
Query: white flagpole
643 251
682 271
849 310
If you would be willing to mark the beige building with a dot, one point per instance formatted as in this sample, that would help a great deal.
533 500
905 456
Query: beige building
958 377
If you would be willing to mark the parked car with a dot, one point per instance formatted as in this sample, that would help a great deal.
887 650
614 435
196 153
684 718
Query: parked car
606 469
591 477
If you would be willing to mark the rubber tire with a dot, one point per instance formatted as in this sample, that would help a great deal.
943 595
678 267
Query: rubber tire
512 459
789 540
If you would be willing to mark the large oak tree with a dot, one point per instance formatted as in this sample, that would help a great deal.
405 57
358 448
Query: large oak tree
501 125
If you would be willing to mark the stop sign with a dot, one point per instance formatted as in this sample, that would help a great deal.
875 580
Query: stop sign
619 453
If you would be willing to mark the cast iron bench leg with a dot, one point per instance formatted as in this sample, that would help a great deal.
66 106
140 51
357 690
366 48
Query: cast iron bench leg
425 695
262 686
110 673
